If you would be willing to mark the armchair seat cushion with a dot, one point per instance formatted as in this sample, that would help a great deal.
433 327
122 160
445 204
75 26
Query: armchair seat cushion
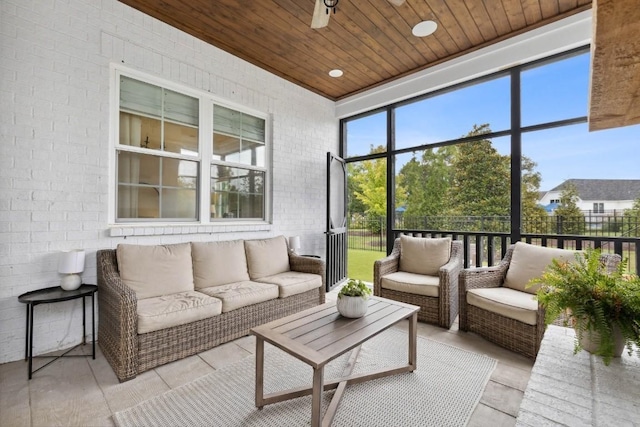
166 311
411 283
293 282
507 302
241 294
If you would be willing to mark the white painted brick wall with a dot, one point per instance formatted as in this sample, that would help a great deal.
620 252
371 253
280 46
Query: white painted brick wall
54 125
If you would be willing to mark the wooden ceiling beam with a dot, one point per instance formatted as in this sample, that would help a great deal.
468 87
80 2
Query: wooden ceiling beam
614 99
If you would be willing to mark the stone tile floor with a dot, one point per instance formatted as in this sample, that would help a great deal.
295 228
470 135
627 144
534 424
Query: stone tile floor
86 392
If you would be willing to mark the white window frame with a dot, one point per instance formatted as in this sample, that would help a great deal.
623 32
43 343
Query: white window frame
204 158
598 207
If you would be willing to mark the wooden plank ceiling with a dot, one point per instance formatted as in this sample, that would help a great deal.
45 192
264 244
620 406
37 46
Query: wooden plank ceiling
615 71
370 40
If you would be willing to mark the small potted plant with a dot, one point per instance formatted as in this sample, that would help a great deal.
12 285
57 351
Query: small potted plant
353 299
603 306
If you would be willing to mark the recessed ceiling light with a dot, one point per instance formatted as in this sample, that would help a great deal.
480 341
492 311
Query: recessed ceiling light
336 73
424 28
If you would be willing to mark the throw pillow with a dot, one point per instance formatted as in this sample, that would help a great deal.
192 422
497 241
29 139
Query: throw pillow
266 257
530 261
422 255
153 271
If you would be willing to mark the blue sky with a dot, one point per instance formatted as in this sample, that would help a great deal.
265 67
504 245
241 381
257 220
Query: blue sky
551 92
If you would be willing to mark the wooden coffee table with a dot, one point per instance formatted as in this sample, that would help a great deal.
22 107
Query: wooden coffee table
320 334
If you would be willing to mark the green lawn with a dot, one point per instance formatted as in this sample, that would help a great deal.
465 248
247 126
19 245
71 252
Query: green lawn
360 264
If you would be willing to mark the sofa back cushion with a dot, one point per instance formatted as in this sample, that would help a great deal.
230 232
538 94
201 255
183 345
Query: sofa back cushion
266 257
529 262
219 263
153 271
421 255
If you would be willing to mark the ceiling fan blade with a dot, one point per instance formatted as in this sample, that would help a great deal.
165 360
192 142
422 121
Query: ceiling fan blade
320 15
396 2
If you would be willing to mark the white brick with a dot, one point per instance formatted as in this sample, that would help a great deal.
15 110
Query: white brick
54 123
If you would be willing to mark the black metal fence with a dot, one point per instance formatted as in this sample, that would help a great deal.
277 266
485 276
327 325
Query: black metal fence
487 238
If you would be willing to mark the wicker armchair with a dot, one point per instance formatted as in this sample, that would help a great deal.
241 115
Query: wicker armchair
438 306
517 325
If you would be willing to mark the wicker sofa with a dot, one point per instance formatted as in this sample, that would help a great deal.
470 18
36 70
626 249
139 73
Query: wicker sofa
162 303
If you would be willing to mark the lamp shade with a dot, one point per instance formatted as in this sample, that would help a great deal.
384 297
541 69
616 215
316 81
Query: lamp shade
294 242
71 262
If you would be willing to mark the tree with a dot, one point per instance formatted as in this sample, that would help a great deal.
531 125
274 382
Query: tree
426 181
371 184
569 218
480 184
354 205
534 217
631 220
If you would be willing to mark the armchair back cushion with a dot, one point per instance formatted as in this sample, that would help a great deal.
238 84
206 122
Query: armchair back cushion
421 255
267 257
530 261
153 271
219 263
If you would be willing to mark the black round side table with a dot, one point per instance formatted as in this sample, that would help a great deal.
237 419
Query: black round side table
53 295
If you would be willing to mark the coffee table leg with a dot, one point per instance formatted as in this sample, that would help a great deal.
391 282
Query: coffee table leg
413 341
316 396
259 372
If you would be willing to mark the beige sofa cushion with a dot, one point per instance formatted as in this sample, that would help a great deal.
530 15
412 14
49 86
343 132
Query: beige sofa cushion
177 309
421 255
506 302
293 282
219 263
529 262
266 257
242 294
156 270
418 284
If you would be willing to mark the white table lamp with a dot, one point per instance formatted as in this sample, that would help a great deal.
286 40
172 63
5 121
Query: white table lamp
70 264
294 243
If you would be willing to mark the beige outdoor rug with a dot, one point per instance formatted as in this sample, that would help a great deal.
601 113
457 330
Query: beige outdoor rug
443 391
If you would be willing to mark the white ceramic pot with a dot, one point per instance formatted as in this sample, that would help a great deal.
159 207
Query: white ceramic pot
590 340
352 307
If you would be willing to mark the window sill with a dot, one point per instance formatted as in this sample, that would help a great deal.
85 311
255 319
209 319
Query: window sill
169 229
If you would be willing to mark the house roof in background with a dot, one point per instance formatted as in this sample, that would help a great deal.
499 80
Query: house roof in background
604 189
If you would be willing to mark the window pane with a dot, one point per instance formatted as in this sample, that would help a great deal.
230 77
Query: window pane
366 216
363 134
138 202
181 108
253 128
599 167
151 100
156 187
181 139
236 193
450 115
423 184
238 137
555 91
225 147
463 187
226 120
139 131
179 203
140 97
